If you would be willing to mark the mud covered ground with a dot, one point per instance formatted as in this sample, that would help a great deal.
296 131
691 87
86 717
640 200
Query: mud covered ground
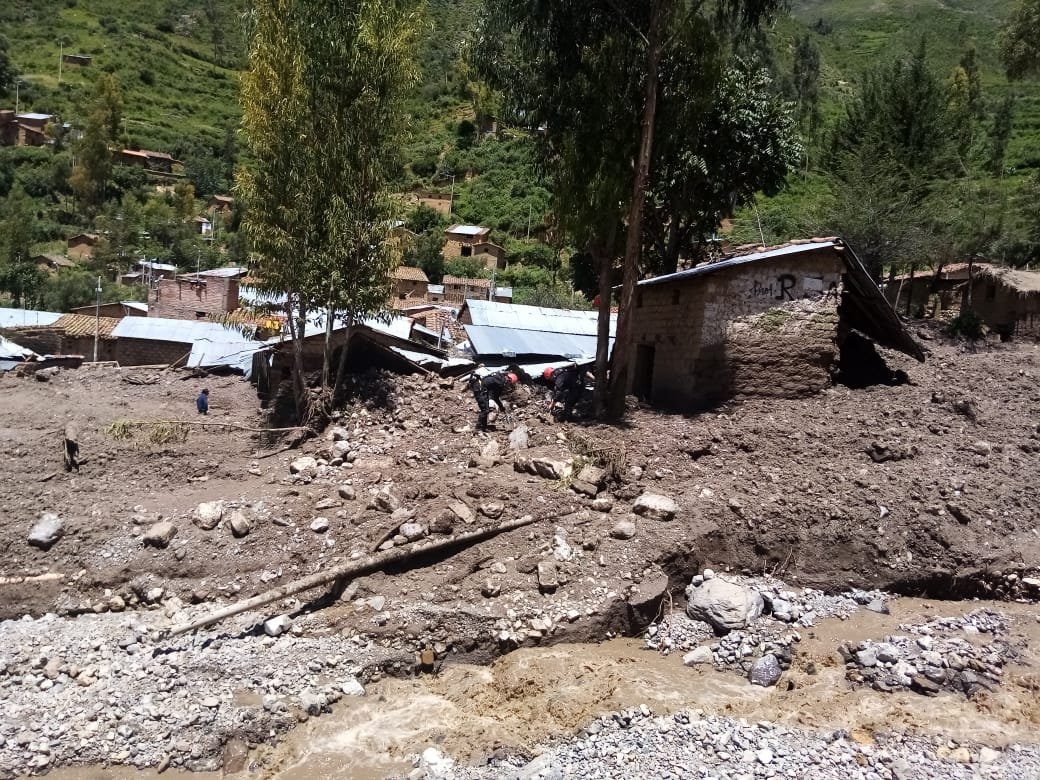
927 488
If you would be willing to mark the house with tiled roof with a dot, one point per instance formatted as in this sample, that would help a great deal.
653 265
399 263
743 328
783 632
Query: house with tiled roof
410 283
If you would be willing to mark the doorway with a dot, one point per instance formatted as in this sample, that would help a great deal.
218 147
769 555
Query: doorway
643 377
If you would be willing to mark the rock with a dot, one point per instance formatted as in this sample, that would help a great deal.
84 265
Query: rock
887 653
412 531
562 551
519 438
208 515
386 501
347 492
699 655
724 605
443 522
47 530
988 755
603 504
623 529
305 466
160 534
594 475
655 506
492 509
867 657
339 449
236 753
961 755
339 433
921 684
312 702
765 671
877 605
584 488
462 512
240 523
548 576
981 448
320 525
492 588
327 503
351 687
491 450
278 625
547 468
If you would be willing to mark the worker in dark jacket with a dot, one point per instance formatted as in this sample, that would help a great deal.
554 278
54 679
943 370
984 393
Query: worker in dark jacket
491 388
202 402
566 385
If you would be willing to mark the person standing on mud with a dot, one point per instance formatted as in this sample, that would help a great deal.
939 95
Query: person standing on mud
491 388
566 389
202 402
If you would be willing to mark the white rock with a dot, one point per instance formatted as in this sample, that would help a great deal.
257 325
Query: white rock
303 465
724 605
656 506
278 625
699 655
623 529
208 514
47 530
412 531
351 687
320 525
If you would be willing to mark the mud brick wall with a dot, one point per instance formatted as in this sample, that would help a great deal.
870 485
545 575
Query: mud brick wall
762 329
185 299
1005 311
145 352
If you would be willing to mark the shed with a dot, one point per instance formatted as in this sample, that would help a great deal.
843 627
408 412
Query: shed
781 322
1007 300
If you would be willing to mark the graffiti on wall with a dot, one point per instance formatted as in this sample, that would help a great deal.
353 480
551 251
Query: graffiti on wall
783 288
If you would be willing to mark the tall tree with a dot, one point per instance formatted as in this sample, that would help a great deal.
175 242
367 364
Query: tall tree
321 121
19 276
1020 40
90 175
593 73
7 70
805 79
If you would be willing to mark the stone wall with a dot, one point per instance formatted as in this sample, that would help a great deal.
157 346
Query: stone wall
762 329
1005 311
187 299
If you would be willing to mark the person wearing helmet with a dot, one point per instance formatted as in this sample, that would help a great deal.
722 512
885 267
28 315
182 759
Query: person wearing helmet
491 388
566 389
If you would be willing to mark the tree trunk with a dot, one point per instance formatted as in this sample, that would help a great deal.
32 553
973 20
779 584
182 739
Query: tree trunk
326 363
604 257
633 243
341 370
910 290
297 332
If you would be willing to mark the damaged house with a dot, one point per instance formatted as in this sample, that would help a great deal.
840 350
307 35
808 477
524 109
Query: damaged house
1007 300
782 322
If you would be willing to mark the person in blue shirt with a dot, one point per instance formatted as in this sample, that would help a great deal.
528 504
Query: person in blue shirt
202 402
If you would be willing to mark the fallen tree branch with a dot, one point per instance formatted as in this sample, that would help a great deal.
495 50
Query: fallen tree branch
50 576
207 423
355 568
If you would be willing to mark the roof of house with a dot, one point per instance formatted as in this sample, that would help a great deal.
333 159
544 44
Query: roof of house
950 271
512 329
84 325
85 236
181 331
27 318
462 281
135 305
34 116
1022 282
866 307
409 273
468 230
11 351
227 272
156 266
57 260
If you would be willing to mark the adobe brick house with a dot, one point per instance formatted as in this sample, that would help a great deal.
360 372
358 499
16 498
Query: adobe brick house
410 282
768 323
461 240
82 245
1007 300
193 297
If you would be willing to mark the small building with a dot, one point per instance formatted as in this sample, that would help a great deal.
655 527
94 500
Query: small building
782 322
203 226
460 240
194 296
459 289
116 309
83 60
490 255
1007 300
69 334
24 129
221 205
146 341
82 245
410 282
157 162
911 292
52 263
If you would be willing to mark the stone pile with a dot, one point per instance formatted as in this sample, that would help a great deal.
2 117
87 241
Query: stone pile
635 743
928 659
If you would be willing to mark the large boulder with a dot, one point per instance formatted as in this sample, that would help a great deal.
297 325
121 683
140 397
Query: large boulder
305 465
160 534
47 530
724 605
655 506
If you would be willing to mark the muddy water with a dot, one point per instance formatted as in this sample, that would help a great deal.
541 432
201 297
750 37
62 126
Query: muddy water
535 694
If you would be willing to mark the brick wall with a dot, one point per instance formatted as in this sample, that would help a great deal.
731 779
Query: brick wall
1005 311
185 299
145 352
764 329
410 287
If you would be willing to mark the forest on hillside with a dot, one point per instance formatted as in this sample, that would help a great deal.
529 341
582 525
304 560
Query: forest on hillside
897 125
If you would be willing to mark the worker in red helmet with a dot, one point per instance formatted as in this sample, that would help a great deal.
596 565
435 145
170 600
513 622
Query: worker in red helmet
566 386
491 388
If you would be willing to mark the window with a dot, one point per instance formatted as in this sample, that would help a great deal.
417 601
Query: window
467 251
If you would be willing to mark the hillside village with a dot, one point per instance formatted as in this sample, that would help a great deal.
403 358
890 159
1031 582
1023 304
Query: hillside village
462 432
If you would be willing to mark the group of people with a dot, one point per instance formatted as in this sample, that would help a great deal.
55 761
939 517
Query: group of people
565 383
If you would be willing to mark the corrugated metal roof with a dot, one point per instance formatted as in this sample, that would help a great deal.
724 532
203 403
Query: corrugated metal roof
135 305
23 318
235 353
468 230
538 318
156 266
225 273
491 340
11 351
32 115
180 331
84 325
732 262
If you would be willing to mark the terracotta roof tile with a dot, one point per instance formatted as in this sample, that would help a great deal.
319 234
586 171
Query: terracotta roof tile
84 324
410 274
